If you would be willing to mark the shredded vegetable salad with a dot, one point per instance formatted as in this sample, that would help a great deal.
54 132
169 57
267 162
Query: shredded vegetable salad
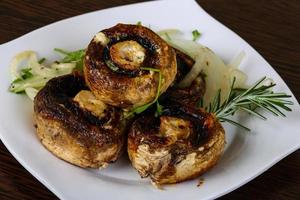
29 74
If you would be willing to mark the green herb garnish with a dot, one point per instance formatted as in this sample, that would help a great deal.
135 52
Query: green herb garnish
26 73
41 60
196 34
17 80
139 23
159 109
257 96
72 56
142 108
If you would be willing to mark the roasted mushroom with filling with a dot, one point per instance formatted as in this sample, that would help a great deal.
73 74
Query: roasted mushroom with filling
75 126
117 63
181 144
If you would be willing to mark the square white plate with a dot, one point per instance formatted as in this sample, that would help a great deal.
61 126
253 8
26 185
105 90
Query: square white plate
246 155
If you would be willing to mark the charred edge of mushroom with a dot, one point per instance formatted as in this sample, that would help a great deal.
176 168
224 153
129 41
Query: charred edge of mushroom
62 90
147 44
184 64
109 115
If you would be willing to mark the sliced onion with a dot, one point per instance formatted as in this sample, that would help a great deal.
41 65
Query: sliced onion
21 58
194 72
31 92
54 70
63 68
41 74
218 74
169 34
240 77
34 82
236 61
188 47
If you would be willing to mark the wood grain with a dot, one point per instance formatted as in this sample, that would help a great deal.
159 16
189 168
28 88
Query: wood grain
272 27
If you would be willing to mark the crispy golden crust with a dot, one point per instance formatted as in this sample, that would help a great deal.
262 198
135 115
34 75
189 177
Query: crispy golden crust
168 158
62 144
122 89
72 133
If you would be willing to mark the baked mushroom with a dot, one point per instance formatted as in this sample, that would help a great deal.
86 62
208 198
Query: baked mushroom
181 144
75 126
117 62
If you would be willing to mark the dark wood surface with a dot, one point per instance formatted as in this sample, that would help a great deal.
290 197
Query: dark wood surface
272 27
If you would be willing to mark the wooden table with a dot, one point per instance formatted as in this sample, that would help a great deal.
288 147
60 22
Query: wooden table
272 27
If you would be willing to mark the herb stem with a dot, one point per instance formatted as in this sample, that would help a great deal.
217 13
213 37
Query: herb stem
142 108
61 51
248 100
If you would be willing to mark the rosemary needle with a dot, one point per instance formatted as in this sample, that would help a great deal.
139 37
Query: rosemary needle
257 96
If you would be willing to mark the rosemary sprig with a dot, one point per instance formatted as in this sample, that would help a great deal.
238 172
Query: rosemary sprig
142 108
257 96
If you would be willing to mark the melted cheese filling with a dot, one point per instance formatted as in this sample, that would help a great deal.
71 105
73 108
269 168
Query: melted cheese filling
88 101
174 128
101 37
128 54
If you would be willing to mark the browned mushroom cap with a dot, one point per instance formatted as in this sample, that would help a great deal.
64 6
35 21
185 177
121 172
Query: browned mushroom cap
115 61
75 126
182 144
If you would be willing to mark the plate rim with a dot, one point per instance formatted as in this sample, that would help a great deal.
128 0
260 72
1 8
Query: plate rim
60 195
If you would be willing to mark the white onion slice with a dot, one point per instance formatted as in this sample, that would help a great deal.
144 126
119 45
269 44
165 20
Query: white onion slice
31 92
40 74
236 61
218 74
194 72
169 34
23 57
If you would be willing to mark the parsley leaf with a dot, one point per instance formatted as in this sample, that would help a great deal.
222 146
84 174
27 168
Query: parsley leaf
17 80
26 73
196 34
41 60
72 56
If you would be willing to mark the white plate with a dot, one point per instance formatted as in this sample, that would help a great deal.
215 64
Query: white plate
246 156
